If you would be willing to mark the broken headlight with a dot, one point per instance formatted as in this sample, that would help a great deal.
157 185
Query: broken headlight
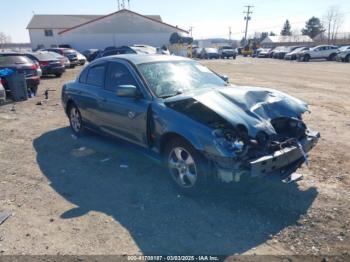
228 143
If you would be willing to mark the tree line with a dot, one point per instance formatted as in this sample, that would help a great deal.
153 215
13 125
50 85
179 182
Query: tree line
330 25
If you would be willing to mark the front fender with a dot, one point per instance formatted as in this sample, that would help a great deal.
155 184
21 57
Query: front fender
166 121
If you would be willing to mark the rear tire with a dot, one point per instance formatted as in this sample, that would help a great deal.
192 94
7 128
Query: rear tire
75 120
306 58
187 168
58 75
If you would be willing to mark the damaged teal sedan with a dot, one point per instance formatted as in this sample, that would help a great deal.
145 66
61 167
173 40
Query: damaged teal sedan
202 128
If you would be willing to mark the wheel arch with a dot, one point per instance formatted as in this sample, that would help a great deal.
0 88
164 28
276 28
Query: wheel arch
69 103
169 136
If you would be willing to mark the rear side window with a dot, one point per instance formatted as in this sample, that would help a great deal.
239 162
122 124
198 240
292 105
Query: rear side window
96 75
83 76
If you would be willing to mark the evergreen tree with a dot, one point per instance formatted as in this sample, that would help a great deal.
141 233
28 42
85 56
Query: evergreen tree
313 27
286 30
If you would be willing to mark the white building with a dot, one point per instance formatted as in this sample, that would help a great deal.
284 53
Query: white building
82 32
276 40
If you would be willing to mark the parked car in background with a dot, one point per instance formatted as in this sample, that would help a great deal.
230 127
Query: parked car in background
281 53
48 62
275 49
328 52
163 50
22 64
109 51
293 55
196 52
209 53
90 54
81 59
343 54
69 53
264 53
62 58
231 133
144 49
227 52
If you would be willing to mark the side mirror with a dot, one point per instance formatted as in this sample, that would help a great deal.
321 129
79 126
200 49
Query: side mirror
127 91
225 78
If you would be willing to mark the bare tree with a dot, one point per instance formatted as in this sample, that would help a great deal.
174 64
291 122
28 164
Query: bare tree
333 20
4 39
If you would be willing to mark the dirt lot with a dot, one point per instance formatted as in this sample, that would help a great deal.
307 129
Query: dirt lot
94 195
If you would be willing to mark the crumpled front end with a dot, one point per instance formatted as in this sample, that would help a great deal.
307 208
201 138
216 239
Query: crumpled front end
256 132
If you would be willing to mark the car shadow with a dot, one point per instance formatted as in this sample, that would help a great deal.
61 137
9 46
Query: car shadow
110 176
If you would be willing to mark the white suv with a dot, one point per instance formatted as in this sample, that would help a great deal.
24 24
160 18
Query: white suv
328 52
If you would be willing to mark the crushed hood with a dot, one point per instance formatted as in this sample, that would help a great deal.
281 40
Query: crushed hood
254 107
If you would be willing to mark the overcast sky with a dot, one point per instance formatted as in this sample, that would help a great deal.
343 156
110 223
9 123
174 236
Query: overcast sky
208 18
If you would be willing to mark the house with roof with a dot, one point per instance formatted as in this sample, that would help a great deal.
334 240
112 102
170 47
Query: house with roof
81 32
277 40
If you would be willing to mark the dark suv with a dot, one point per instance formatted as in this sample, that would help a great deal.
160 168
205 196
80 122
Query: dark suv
22 64
71 54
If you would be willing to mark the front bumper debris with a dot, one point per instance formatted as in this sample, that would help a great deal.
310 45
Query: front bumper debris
284 157
279 165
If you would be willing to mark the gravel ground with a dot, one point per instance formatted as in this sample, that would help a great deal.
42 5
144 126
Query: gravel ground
95 195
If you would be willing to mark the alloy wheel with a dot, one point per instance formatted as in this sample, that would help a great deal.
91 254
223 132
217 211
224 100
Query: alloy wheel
75 119
182 167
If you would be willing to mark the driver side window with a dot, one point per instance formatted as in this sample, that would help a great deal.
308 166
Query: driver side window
118 74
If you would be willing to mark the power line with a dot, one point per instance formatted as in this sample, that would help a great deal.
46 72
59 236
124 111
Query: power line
247 19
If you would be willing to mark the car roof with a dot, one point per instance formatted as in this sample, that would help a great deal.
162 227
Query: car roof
10 53
144 58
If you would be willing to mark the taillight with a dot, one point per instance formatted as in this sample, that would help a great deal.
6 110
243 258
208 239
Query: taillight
43 63
2 81
35 66
62 61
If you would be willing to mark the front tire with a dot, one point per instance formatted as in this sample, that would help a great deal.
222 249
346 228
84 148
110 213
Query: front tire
186 166
306 58
75 120
332 57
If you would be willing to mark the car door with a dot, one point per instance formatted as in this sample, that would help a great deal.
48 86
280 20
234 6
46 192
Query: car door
124 117
317 52
86 95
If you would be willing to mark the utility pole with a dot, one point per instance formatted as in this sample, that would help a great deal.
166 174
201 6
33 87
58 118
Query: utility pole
247 18
191 31
118 5
229 33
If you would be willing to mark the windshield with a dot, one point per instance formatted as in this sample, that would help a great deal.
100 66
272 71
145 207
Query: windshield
167 79
211 50
299 49
69 52
44 56
343 48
